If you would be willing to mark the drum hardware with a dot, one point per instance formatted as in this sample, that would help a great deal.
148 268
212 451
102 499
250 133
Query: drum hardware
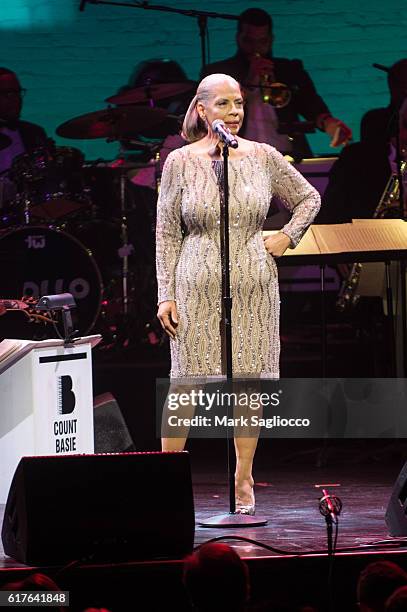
48 259
142 145
121 324
172 124
26 170
110 242
138 145
123 170
140 153
149 95
49 183
119 163
126 249
22 203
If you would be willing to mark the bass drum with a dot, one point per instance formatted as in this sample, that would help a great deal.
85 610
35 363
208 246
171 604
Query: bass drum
40 260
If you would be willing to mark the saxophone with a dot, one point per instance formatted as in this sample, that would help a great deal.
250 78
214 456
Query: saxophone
388 207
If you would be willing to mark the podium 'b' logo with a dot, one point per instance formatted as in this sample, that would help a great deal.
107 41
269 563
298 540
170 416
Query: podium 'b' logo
67 398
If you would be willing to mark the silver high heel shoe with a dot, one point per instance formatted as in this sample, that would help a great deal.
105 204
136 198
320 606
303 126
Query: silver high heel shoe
245 507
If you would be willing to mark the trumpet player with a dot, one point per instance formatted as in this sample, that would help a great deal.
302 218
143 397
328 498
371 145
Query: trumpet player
292 92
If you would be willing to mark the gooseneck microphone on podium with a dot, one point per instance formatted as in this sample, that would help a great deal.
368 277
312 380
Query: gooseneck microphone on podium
64 303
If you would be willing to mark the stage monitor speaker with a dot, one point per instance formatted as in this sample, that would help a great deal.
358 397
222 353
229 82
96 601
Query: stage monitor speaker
133 506
110 429
396 514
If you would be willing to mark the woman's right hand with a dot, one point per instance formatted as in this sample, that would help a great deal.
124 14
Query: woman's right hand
168 317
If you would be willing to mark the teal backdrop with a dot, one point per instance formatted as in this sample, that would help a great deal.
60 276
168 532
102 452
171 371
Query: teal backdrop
70 61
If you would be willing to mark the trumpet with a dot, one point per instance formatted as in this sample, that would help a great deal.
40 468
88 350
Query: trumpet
273 92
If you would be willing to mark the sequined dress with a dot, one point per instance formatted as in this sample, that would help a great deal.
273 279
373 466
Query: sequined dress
189 263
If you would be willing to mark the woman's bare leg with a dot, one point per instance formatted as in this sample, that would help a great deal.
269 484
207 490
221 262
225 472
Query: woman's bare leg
246 438
245 450
173 438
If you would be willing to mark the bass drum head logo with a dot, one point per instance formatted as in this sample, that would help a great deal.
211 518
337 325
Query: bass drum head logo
44 261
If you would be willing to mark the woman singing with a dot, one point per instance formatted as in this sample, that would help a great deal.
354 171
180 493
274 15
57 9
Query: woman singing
188 252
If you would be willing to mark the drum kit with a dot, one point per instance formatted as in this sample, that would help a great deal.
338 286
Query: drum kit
85 228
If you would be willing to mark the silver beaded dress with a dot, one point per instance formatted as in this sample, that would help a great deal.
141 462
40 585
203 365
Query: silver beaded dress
189 263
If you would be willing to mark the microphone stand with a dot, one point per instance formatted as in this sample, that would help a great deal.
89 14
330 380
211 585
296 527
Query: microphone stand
230 519
330 507
399 162
201 16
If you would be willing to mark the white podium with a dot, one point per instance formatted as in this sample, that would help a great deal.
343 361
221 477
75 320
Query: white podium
46 401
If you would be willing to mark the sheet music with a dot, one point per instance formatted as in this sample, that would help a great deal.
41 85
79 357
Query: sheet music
359 237
373 222
12 349
8 347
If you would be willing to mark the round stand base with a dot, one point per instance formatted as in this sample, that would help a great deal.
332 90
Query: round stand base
230 520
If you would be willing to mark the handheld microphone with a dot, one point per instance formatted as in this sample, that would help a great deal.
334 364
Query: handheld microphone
224 133
330 505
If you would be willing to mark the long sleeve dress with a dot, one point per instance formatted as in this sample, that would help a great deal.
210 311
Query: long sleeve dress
189 262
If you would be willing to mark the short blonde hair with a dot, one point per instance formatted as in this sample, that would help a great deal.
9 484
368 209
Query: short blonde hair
193 128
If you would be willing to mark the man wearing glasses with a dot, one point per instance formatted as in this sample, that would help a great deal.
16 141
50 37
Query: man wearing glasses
23 136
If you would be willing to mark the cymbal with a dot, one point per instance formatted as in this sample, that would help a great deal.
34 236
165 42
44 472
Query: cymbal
158 91
5 141
112 123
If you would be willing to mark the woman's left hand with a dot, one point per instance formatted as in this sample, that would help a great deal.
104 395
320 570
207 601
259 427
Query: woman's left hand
277 244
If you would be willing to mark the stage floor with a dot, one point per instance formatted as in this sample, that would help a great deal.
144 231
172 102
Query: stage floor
290 550
287 495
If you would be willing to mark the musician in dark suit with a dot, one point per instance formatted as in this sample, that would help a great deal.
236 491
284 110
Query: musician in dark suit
359 176
24 136
356 182
253 63
380 124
